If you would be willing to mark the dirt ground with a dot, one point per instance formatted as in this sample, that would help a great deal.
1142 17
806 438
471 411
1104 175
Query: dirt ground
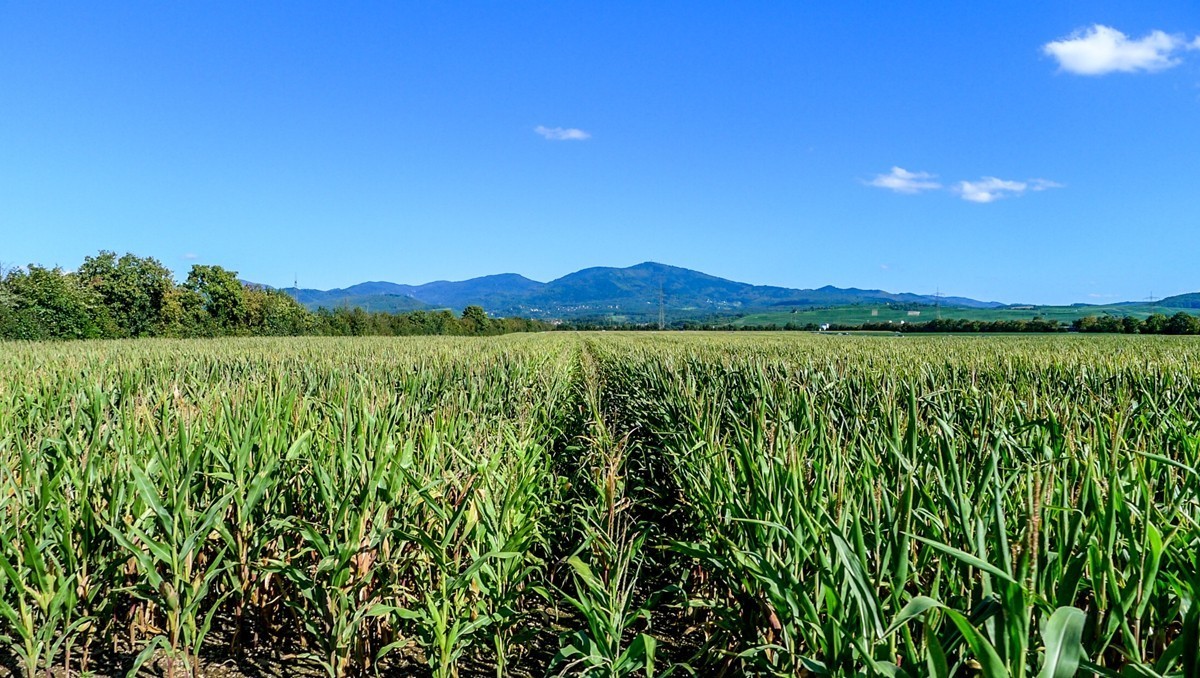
217 661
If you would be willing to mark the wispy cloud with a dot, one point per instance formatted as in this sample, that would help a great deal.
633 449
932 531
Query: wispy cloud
1043 184
1102 49
990 189
191 256
987 189
901 180
562 133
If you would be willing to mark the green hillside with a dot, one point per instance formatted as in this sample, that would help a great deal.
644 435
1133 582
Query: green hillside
387 303
1190 300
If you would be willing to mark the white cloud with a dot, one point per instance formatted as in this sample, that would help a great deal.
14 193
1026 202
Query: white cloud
562 133
191 256
1043 184
990 189
987 189
1102 49
901 180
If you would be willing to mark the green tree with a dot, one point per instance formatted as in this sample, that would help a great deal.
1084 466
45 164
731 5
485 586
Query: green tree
222 297
1155 324
274 313
183 314
134 289
8 311
442 322
1183 323
44 303
475 320
1110 323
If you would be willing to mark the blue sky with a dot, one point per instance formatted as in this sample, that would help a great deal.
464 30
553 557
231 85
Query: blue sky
343 142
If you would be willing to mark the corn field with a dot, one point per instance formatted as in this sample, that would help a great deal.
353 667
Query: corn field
602 505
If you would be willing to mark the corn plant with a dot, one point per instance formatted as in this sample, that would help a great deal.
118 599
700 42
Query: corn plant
605 568
41 587
167 538
337 561
608 603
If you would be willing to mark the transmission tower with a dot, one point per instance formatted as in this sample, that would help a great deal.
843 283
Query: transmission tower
662 310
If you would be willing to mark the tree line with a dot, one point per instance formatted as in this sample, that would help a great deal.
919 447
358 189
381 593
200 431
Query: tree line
130 296
1157 323
1180 323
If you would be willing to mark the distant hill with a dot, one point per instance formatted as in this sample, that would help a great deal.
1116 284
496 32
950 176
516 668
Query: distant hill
497 290
371 296
388 296
1190 300
633 293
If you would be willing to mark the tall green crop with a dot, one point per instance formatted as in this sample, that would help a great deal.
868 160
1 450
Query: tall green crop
1018 506
604 504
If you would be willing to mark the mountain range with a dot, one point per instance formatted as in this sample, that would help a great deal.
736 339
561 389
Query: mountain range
635 292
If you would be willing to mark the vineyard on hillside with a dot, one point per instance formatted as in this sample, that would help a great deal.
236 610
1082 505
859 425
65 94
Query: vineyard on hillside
602 504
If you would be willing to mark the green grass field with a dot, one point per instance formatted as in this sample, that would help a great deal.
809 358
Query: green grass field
857 315
602 504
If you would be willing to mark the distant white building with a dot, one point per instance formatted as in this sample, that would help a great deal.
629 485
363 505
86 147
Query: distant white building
824 326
